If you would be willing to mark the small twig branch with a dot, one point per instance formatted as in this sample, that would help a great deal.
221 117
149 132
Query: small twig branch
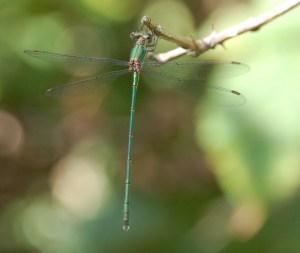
197 47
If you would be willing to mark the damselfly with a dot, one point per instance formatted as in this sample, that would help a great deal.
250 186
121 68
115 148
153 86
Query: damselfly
176 72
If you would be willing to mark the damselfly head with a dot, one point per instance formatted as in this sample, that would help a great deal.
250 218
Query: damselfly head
137 35
147 34
133 35
145 20
142 37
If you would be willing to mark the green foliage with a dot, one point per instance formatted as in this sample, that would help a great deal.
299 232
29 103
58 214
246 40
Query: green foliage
205 178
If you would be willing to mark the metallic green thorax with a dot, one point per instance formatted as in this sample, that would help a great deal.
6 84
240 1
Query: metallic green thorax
138 53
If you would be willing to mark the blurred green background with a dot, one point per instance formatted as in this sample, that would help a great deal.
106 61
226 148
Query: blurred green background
205 178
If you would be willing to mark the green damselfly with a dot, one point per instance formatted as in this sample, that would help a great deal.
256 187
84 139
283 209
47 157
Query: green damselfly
145 41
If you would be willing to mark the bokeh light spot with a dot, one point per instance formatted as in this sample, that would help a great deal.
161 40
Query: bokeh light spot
11 134
80 185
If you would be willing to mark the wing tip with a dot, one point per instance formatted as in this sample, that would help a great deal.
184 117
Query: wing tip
236 63
243 98
245 66
31 51
236 92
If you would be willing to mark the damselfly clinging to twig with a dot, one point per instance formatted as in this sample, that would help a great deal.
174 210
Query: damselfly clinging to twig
145 41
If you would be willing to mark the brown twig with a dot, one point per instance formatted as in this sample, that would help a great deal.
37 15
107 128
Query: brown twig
196 47
183 42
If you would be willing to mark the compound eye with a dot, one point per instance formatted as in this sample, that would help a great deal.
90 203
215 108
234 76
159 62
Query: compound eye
132 36
146 19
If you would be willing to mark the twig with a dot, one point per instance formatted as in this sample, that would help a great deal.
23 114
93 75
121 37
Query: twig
183 42
189 46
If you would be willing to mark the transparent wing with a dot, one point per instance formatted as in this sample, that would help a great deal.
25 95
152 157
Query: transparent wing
193 75
220 96
77 86
195 70
215 95
49 56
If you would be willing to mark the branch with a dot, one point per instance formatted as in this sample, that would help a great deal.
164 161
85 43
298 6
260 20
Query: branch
197 47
